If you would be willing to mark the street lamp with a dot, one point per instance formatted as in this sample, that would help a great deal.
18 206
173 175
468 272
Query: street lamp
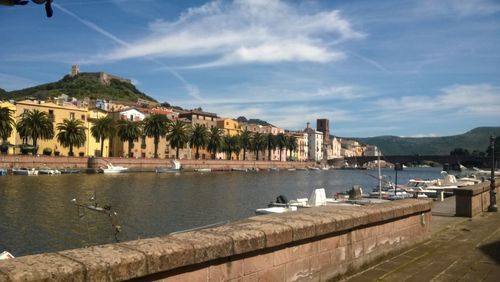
493 194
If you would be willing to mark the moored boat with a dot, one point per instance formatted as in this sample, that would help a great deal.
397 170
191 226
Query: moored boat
110 168
48 171
175 167
24 171
6 255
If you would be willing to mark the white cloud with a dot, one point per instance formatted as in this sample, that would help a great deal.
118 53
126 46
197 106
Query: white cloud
478 100
244 31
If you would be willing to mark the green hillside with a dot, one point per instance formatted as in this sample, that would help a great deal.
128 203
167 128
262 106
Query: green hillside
81 86
474 140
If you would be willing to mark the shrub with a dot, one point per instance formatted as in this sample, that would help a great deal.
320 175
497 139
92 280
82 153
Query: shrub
47 151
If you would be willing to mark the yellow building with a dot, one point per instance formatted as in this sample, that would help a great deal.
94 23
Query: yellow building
230 126
57 113
12 138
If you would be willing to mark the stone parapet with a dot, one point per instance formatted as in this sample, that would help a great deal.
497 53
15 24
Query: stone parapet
317 243
472 200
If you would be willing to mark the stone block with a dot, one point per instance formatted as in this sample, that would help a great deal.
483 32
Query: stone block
324 221
42 267
200 275
298 270
275 233
245 238
273 274
163 253
109 262
226 271
207 246
332 243
257 263
301 229
320 261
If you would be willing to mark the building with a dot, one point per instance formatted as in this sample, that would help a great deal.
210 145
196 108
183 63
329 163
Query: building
371 151
301 154
57 114
12 139
207 119
336 149
315 144
323 125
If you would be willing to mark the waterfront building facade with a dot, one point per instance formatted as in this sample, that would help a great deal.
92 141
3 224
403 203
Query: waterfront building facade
12 139
315 144
335 149
301 154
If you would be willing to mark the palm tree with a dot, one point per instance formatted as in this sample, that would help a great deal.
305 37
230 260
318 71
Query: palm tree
35 125
258 143
103 128
129 131
214 140
71 133
245 138
292 144
155 126
270 143
281 142
178 136
199 138
230 145
7 123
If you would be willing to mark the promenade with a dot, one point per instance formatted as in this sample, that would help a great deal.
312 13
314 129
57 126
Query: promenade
460 249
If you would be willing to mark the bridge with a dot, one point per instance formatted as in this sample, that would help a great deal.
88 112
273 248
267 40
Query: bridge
467 161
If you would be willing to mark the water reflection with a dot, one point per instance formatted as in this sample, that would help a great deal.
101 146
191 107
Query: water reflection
36 214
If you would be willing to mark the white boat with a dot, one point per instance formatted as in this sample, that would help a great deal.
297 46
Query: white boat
3 172
176 167
110 168
24 171
292 169
483 172
275 210
49 171
203 170
242 169
6 255
312 168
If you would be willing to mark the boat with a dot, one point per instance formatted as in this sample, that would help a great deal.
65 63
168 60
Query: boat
175 167
6 255
3 172
483 172
292 169
203 170
275 210
48 171
110 168
70 171
312 168
239 169
24 171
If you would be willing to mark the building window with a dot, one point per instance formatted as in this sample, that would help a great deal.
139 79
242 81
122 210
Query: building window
71 116
83 117
51 115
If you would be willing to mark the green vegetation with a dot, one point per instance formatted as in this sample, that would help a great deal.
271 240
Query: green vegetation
102 129
254 121
155 126
35 125
129 131
178 135
475 140
81 86
199 138
7 123
71 134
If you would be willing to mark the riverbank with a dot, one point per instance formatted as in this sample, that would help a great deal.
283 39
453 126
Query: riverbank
140 164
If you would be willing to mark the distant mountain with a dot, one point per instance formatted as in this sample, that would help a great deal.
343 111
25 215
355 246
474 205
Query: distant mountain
254 121
80 86
476 139
2 91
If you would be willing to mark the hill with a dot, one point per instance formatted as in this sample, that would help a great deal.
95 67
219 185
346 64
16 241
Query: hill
80 86
253 121
476 139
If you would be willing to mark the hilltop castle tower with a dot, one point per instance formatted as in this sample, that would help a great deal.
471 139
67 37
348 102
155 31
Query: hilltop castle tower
75 69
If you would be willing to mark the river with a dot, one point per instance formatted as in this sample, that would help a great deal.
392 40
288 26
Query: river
36 213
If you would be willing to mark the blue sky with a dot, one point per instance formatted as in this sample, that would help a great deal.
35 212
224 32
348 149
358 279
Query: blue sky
406 68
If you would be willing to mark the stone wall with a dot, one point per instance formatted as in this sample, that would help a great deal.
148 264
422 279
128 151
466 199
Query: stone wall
12 161
317 243
472 200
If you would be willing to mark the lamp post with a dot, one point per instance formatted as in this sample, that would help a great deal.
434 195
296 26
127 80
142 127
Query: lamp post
493 194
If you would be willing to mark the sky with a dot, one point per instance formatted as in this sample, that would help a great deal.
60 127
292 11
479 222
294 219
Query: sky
393 67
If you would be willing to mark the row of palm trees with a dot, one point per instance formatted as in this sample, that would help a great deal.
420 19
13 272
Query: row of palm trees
37 125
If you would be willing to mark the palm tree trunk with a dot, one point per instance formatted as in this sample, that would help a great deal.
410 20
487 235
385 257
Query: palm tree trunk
102 147
257 155
130 147
34 146
280 153
70 150
197 155
244 152
268 153
177 153
156 141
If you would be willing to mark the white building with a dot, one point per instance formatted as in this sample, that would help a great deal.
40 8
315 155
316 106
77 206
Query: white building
132 114
315 144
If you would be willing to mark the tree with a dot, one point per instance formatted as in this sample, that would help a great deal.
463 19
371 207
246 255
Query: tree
258 143
155 126
35 125
102 129
281 142
178 136
245 141
269 143
459 152
7 123
230 145
71 133
292 144
129 131
199 138
214 140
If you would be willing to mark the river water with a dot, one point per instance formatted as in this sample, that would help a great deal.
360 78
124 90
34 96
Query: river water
36 213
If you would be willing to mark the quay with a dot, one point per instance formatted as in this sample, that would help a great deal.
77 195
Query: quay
398 240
